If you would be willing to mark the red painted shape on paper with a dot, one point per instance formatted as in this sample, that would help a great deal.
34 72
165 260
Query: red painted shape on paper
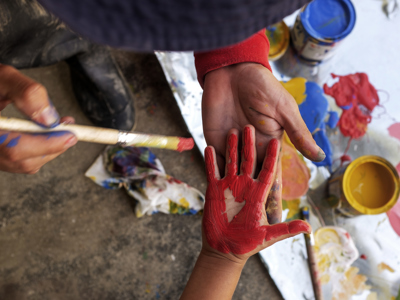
358 98
244 232
394 130
394 217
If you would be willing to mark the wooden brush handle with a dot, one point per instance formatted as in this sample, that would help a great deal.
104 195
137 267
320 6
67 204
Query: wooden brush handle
83 133
103 135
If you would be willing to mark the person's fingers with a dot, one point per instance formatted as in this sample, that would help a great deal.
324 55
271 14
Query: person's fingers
28 96
274 201
297 130
15 146
67 120
211 164
281 231
267 173
27 166
231 166
249 158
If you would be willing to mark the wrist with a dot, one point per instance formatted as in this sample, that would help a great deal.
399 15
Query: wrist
254 49
214 259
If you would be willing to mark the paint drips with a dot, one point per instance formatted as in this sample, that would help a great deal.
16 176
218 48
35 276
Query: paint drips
244 232
358 98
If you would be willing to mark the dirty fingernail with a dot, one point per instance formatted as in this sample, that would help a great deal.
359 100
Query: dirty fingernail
47 116
321 155
70 142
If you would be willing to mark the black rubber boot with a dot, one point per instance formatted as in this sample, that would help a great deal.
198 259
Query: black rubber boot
101 90
31 37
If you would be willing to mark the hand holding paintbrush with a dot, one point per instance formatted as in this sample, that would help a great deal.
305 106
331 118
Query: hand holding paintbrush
102 135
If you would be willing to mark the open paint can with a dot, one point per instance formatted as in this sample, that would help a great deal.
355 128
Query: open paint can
368 185
320 27
279 37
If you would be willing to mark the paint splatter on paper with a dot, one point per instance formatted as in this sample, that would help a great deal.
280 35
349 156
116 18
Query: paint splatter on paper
293 208
313 107
335 252
358 98
394 217
295 174
394 130
382 267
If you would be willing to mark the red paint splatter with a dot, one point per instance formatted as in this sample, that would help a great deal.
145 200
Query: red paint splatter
174 180
185 144
344 158
358 98
394 130
394 217
244 232
363 256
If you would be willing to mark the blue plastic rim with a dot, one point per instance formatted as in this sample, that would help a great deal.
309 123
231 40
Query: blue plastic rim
329 19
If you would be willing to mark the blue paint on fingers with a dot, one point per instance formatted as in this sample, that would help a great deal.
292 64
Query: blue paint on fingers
13 142
53 134
3 138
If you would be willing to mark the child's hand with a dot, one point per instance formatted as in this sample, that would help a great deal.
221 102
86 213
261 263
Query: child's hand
235 223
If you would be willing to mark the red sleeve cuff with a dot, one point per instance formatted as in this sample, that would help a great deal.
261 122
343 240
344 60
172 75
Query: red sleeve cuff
254 49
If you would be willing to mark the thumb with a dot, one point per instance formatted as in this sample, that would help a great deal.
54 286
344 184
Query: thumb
28 96
281 231
298 132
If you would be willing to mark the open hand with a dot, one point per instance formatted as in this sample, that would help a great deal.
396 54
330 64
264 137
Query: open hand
235 221
248 93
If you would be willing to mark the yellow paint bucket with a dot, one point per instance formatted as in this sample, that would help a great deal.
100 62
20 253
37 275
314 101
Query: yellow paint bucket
368 185
279 37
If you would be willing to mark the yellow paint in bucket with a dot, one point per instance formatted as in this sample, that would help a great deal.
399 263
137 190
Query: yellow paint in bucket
371 185
279 37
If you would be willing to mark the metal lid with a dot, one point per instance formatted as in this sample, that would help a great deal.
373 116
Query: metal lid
329 19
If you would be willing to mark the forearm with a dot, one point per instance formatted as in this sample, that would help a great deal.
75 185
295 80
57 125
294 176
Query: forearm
213 277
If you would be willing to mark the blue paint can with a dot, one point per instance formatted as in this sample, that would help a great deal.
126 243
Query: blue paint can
320 27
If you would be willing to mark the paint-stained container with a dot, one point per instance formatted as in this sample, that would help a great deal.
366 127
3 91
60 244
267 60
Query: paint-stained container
368 185
320 27
279 37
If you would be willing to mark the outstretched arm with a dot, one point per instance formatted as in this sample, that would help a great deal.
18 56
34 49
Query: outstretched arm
235 223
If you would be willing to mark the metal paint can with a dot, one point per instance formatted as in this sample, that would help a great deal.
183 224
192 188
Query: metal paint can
369 185
320 27
279 36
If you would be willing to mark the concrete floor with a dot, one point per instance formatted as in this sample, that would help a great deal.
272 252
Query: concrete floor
64 237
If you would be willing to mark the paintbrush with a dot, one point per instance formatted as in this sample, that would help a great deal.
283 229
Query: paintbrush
312 262
102 135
